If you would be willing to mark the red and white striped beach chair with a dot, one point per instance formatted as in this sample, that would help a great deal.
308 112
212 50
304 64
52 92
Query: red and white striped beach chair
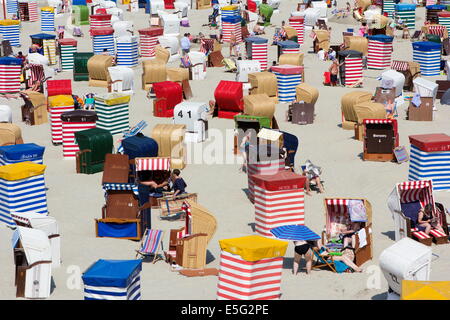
422 191
151 245
181 233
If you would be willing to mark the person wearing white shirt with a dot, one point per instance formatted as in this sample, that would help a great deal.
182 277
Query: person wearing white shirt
185 44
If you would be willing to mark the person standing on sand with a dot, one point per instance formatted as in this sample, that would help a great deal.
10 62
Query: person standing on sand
185 44
233 44
334 71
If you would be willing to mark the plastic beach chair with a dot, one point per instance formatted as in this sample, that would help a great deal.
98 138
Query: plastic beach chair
151 244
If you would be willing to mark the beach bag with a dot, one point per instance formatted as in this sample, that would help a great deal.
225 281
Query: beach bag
184 23
77 32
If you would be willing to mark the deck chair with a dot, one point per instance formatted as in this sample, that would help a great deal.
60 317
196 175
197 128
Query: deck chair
416 36
302 6
6 48
322 24
151 244
132 132
230 65
320 262
60 32
174 207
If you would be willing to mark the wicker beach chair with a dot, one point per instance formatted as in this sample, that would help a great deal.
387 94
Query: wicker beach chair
187 247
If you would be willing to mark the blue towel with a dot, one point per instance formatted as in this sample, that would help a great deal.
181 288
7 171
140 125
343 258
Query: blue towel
340 266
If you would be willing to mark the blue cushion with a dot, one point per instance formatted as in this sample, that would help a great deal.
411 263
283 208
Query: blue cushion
411 210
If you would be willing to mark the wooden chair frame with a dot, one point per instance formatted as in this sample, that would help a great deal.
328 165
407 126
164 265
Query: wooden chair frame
157 255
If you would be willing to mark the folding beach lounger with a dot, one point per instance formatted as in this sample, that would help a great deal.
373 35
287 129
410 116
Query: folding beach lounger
151 244
335 266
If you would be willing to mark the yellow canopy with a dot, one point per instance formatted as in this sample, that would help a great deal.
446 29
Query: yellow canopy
61 100
254 248
9 22
425 290
229 8
113 98
21 170
49 9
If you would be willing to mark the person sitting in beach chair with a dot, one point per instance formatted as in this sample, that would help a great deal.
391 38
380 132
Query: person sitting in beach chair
427 221
391 109
347 234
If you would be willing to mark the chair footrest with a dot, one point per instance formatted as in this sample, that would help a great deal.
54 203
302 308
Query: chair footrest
420 235
439 236
437 233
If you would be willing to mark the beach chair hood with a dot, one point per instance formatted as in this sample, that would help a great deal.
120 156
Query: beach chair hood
405 260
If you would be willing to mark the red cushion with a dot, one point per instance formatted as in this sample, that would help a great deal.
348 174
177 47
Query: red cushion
172 253
437 233
226 114
420 235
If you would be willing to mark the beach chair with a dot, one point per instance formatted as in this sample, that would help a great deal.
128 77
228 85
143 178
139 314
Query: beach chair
230 65
321 24
321 262
410 210
416 36
60 32
187 246
151 245
173 207
302 6
6 48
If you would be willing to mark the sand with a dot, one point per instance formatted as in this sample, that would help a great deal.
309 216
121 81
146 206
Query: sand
75 200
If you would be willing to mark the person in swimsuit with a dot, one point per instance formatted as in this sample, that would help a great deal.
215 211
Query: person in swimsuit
303 249
233 45
389 107
244 148
347 257
334 71
427 221
348 234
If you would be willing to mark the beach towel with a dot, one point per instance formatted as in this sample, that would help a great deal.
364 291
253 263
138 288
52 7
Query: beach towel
357 211
416 102
362 236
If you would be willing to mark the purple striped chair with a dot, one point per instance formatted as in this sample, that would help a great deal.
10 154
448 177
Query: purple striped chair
151 245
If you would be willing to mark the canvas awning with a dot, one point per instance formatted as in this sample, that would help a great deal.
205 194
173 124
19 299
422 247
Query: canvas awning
160 163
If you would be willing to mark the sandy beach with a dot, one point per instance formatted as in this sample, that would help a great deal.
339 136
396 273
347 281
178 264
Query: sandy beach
75 200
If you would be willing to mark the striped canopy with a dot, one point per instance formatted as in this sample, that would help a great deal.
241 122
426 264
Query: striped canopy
121 187
160 163
294 232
